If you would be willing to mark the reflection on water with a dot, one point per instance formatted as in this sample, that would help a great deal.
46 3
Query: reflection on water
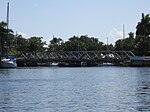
143 91
95 89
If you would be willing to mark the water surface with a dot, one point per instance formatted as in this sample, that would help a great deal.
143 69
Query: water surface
93 89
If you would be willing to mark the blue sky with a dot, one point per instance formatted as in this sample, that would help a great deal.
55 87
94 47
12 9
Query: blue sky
66 18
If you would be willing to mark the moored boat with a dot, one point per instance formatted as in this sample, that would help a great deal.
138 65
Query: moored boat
8 62
140 61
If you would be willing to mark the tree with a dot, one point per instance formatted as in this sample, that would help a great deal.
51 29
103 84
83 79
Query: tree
55 44
119 44
82 43
22 45
4 36
126 44
143 27
142 35
131 35
36 45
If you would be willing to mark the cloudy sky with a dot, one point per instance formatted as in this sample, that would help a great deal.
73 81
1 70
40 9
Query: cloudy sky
65 18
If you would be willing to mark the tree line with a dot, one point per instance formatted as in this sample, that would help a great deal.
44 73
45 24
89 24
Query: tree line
16 45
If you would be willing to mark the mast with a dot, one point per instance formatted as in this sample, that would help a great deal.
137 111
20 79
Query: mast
4 42
7 27
7 16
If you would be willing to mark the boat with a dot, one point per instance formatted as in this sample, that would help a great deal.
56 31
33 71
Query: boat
8 62
52 64
140 61
106 64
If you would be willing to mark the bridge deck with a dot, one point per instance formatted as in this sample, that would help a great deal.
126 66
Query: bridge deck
75 57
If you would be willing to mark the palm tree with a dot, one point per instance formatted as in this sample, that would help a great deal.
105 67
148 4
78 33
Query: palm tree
3 30
142 33
143 27
4 33
55 43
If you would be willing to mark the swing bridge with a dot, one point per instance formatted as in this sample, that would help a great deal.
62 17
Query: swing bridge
107 56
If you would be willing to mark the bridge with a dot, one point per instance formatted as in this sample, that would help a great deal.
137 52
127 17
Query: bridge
90 55
77 57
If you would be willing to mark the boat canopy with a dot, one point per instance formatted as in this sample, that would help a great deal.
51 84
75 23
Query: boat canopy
10 57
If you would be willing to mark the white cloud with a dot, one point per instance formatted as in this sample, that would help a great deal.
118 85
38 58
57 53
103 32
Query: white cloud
23 35
115 34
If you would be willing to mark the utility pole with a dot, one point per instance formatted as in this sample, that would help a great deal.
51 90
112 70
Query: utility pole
107 46
123 31
107 41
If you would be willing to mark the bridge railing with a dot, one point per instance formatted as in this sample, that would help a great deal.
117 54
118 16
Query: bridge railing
80 55
90 54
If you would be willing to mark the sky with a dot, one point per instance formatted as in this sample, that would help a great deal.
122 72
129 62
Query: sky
101 19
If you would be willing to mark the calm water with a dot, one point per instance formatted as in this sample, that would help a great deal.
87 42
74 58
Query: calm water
95 89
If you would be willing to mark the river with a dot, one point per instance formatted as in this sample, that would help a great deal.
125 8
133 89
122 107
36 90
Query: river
83 89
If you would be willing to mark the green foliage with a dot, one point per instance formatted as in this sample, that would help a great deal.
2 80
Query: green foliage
143 27
17 45
55 44
142 46
36 45
5 34
82 43
126 44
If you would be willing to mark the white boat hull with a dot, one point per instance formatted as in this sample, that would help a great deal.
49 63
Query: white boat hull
6 63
